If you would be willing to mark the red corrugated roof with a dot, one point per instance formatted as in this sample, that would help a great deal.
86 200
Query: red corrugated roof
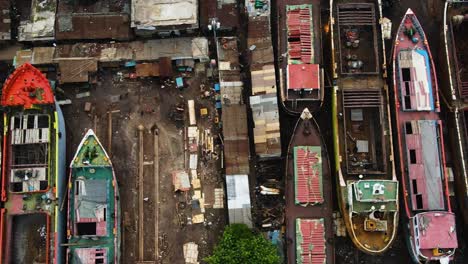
308 181
311 242
300 33
303 76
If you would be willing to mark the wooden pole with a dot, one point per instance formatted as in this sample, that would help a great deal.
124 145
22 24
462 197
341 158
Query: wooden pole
156 194
141 129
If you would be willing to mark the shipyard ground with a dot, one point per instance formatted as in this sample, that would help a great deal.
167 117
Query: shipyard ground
130 103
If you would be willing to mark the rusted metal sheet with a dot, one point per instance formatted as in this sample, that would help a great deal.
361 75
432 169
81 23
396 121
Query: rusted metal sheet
93 26
147 69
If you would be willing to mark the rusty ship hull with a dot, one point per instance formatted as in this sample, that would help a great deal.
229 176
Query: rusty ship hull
455 90
367 186
300 55
309 205
430 221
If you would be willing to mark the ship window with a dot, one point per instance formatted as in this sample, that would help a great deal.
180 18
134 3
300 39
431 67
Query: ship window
86 229
407 88
415 187
409 128
43 121
412 153
419 202
30 120
99 261
407 102
105 214
100 254
406 73
77 188
17 122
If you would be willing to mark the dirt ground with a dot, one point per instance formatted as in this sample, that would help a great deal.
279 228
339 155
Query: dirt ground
149 103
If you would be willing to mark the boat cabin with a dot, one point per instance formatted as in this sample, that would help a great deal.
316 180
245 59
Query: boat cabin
29 152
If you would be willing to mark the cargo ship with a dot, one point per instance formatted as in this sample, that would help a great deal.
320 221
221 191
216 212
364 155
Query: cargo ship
364 161
455 54
32 222
309 205
431 230
93 227
300 55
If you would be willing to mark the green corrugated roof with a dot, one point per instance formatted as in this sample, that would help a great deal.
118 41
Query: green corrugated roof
374 193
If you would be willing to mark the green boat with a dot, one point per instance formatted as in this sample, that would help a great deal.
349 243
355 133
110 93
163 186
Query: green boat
93 206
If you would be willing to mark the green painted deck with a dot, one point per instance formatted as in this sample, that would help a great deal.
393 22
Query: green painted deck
91 154
369 195
92 164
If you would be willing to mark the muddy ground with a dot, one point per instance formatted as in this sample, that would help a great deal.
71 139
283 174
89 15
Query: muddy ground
145 102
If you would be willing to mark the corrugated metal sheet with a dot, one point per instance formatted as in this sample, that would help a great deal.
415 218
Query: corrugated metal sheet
238 199
5 20
308 175
267 137
93 26
236 141
300 33
264 80
310 241
154 14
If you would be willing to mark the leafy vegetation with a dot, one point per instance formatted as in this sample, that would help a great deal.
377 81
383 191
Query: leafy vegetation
239 245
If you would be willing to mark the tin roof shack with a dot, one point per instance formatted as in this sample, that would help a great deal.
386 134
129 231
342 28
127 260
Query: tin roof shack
100 20
5 20
77 70
36 56
267 136
40 24
236 141
229 71
264 102
163 17
238 196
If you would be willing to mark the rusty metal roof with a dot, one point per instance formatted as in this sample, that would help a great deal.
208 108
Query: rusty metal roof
93 26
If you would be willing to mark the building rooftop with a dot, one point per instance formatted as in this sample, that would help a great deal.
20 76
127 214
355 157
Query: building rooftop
40 25
100 20
238 199
151 14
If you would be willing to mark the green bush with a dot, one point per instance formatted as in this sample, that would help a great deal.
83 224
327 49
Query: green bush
239 245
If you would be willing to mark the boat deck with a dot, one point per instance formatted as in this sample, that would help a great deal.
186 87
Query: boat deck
311 201
460 42
93 207
418 125
294 43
